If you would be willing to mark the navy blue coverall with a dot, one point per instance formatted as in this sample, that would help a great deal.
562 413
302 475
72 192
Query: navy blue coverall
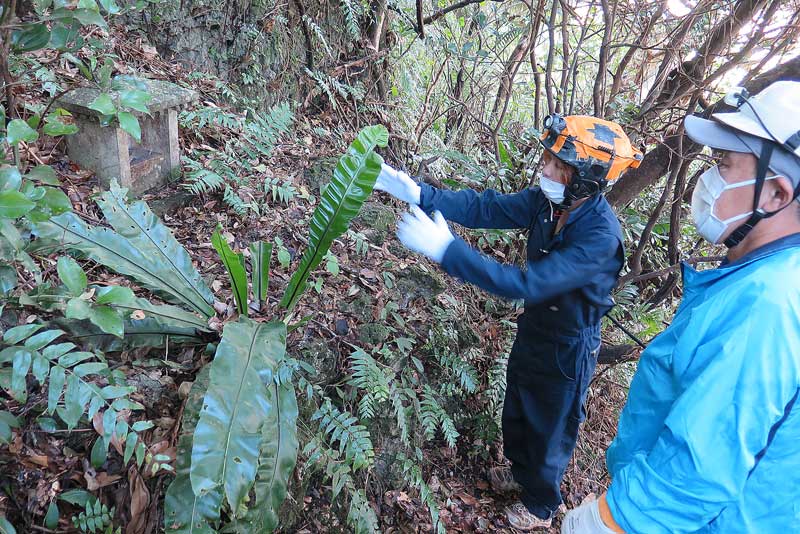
566 288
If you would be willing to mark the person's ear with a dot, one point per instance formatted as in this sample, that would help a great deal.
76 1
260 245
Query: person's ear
778 192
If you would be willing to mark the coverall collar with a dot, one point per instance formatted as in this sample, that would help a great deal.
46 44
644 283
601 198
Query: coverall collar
588 205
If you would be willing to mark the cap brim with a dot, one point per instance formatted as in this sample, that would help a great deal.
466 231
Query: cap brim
714 135
721 137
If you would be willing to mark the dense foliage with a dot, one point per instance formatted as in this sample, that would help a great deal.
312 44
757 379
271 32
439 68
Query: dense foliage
280 402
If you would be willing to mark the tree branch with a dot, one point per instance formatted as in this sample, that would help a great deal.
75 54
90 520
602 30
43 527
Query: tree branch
658 162
458 5
599 82
672 268
420 20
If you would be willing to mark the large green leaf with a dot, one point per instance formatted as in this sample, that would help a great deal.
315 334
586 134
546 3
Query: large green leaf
135 99
185 512
103 104
72 275
19 130
8 279
234 264
43 174
108 248
146 332
144 249
144 230
352 183
260 255
6 527
129 123
7 422
30 37
14 204
164 314
10 178
277 460
54 202
236 406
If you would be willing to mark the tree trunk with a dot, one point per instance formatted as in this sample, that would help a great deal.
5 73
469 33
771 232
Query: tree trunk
509 72
548 70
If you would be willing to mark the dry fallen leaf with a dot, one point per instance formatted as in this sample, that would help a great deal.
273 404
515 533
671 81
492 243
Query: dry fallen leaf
38 459
467 499
101 480
140 499
183 389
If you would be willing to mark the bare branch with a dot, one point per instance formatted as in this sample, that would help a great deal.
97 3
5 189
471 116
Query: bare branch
458 5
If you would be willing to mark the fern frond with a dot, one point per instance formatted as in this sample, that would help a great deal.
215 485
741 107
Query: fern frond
371 380
354 439
361 516
281 192
200 180
351 10
329 460
433 416
460 369
235 202
261 131
330 85
396 396
413 476
199 118
318 33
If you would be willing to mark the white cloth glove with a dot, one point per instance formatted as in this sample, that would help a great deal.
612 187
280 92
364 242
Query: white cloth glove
422 234
585 519
398 184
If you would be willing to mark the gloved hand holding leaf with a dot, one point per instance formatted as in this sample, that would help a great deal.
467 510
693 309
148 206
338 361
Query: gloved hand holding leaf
398 184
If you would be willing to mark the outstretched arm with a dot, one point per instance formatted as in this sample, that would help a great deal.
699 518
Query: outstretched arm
480 210
560 271
468 208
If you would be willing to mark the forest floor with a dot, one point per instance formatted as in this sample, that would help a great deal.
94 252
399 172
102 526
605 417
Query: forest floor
457 477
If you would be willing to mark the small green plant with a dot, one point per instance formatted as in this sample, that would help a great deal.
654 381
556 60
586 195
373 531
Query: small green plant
96 518
281 192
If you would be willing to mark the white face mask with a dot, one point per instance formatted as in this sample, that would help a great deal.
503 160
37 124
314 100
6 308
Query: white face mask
709 188
554 191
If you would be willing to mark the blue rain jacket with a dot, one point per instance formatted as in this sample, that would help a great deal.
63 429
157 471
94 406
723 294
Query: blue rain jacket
569 277
709 440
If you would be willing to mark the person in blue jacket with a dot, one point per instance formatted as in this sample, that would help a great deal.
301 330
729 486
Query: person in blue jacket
709 440
574 256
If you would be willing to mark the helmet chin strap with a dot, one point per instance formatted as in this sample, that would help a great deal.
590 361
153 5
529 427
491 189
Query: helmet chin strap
579 188
738 235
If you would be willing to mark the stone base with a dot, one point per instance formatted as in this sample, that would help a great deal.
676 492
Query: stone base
112 154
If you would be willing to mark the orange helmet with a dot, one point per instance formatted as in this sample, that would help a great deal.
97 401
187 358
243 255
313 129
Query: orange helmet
598 149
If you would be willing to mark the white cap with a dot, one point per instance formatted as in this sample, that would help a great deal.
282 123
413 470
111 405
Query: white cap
773 115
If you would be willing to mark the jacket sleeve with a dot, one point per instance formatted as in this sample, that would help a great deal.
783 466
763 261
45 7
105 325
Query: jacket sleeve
717 428
480 210
561 271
